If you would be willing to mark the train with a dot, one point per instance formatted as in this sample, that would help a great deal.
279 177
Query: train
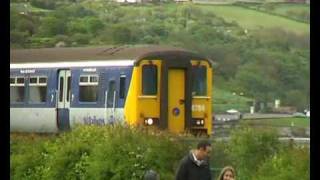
54 89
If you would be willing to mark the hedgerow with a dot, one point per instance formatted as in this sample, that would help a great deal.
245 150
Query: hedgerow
119 152
94 152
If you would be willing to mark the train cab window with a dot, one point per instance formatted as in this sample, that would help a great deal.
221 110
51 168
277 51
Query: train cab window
199 80
149 79
37 89
122 86
88 88
17 89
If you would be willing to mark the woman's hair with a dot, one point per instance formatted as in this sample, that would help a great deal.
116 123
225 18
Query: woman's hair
224 170
151 175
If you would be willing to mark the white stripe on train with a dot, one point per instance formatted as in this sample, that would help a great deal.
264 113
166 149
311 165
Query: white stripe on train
74 64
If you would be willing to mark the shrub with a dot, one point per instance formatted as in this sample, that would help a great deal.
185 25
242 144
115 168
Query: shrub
248 148
92 152
290 163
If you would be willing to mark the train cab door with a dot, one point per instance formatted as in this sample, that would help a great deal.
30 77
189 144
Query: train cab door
63 99
176 100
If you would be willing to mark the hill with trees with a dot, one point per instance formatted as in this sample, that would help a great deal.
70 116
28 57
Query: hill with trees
266 57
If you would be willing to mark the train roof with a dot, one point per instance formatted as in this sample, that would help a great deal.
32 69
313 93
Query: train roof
105 53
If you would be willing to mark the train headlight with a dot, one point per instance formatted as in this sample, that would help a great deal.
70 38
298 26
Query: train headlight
149 121
198 122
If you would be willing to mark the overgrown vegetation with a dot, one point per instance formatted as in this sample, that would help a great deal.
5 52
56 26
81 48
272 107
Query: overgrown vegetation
91 152
264 62
258 154
116 152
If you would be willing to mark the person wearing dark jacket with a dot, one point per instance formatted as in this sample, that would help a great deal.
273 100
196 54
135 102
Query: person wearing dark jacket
195 165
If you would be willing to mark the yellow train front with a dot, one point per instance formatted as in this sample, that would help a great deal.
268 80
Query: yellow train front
171 90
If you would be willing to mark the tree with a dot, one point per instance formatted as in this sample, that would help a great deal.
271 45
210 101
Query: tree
51 26
94 24
121 34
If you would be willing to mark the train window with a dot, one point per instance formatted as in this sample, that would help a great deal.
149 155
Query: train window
84 78
88 91
61 90
68 88
42 80
111 90
12 80
33 80
122 86
149 79
199 80
20 80
17 89
93 78
37 91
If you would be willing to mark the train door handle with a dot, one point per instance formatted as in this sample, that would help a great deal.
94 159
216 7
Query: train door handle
181 101
52 96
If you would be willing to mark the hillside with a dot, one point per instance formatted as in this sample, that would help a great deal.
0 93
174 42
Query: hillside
255 20
258 52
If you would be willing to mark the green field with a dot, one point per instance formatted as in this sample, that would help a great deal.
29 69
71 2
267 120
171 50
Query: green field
285 122
255 20
224 100
298 12
284 8
246 18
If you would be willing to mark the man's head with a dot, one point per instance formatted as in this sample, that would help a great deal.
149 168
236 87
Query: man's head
203 149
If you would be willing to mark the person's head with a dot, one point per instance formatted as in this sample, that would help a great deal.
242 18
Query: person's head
203 149
227 173
151 175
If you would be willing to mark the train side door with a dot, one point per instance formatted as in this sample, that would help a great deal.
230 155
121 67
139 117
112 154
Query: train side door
63 99
110 101
176 100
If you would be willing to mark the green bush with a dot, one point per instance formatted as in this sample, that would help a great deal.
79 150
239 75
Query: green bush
92 152
248 148
45 4
290 163
117 152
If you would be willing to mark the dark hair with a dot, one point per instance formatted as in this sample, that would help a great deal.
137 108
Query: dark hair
203 144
